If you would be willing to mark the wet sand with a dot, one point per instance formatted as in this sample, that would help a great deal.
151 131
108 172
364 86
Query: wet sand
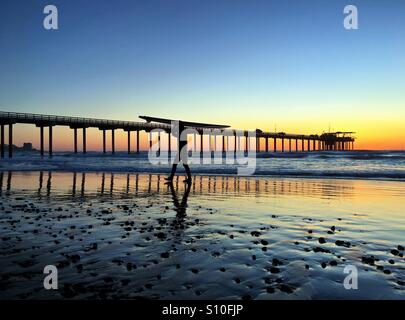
130 236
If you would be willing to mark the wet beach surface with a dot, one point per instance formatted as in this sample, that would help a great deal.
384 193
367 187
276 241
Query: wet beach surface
125 236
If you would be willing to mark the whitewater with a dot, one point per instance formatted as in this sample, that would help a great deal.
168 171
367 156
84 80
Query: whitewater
384 165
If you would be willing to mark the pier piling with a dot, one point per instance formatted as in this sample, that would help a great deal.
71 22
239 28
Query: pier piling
113 141
129 141
84 141
10 140
50 141
75 139
2 141
104 142
41 138
137 141
201 144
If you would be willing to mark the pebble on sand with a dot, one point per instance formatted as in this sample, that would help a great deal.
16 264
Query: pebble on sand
255 233
395 252
165 255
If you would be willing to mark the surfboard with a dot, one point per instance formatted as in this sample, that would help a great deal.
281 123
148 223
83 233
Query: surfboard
185 123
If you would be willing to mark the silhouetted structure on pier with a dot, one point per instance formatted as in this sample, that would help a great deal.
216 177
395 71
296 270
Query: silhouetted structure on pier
327 141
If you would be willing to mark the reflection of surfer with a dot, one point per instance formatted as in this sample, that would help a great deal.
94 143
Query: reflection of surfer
181 207
181 153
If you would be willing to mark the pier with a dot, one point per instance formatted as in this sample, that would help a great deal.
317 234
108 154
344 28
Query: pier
281 141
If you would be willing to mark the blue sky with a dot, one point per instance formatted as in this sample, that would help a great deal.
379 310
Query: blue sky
225 60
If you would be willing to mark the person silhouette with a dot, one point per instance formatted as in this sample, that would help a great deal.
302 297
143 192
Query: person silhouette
180 207
182 154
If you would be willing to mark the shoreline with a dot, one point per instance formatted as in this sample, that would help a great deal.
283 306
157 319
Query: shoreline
180 172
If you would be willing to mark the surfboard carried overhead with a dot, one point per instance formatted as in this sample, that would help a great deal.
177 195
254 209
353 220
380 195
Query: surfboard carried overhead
185 123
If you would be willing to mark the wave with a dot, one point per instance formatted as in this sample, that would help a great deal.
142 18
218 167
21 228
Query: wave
350 164
400 176
377 157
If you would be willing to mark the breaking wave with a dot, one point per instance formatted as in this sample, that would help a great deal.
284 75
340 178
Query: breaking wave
351 164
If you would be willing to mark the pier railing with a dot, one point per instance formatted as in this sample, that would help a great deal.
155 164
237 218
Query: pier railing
39 119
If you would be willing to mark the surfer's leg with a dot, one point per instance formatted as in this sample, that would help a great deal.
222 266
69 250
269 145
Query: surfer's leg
174 167
188 172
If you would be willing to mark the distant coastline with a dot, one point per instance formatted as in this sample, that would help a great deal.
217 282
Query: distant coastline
27 146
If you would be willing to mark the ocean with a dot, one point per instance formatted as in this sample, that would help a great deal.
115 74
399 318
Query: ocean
350 164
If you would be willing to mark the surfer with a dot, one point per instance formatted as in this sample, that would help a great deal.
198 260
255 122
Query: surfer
178 129
181 154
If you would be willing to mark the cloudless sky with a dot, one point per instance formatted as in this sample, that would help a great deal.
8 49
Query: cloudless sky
246 63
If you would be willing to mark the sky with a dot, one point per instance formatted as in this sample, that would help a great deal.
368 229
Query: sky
284 64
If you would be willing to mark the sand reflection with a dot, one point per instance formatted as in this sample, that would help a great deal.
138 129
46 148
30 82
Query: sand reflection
101 184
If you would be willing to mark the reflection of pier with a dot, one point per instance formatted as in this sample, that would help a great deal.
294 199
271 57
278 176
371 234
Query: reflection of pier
8 182
92 185
230 139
